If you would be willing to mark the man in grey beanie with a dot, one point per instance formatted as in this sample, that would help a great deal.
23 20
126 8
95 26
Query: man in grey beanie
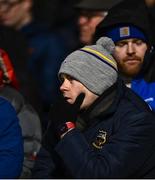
99 128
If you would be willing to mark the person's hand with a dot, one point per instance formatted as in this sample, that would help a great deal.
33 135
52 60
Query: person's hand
63 112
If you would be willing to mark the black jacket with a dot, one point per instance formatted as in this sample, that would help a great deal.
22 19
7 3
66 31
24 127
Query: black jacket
116 143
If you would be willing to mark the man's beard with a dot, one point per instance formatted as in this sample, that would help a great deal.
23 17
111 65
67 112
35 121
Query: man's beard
130 70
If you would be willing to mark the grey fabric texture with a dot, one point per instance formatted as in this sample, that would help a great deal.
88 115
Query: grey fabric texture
96 70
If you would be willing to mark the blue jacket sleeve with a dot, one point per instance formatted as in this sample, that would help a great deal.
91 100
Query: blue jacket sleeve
11 143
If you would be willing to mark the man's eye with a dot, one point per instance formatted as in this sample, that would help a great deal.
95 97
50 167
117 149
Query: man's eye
70 78
139 42
120 44
61 79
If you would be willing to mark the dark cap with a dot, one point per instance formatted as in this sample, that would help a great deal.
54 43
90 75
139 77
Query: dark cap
133 12
104 5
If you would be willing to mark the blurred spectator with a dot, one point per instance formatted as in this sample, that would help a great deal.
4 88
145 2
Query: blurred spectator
128 25
150 3
28 118
46 50
16 45
91 13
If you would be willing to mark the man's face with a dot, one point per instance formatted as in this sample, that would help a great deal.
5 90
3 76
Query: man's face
14 13
87 21
150 3
129 54
71 88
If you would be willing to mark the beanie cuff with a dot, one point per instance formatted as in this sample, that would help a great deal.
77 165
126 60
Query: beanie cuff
125 32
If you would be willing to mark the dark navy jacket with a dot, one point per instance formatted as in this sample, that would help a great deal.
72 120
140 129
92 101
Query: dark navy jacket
116 143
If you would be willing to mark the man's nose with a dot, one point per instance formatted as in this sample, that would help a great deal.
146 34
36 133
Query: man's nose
130 48
82 20
65 85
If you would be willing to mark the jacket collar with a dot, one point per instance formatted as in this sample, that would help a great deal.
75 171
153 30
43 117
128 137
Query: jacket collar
106 104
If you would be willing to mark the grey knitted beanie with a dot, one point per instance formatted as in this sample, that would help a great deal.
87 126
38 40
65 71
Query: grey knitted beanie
93 66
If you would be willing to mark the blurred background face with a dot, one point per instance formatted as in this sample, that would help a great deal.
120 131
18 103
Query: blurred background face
87 21
129 55
14 13
71 88
150 3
